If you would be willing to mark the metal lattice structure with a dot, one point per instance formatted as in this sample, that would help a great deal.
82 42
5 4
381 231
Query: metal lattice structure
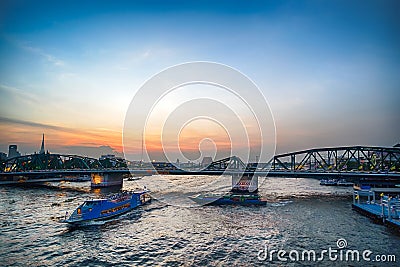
340 159
230 163
47 161
355 163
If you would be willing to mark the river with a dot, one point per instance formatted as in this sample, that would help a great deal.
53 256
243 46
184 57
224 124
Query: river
300 216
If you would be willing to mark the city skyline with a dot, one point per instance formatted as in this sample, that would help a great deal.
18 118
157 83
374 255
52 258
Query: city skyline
328 70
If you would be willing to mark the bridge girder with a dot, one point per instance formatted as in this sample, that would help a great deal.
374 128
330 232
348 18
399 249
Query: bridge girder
340 159
229 163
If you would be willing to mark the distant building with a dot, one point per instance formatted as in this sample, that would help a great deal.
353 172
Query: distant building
3 156
161 165
206 161
108 156
13 151
188 165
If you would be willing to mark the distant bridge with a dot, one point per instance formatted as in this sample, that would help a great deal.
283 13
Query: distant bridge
352 162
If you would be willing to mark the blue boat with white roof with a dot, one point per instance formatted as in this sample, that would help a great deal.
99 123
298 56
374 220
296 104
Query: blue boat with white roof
105 208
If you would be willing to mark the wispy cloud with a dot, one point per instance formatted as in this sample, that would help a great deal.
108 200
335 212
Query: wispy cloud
129 59
50 58
4 120
94 151
21 94
35 124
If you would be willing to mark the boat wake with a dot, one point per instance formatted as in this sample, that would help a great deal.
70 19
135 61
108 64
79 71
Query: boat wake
93 223
281 203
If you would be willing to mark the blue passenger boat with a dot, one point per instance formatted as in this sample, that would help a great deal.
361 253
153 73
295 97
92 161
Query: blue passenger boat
102 209
229 199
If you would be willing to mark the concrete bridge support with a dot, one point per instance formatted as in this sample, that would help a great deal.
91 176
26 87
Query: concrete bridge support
106 179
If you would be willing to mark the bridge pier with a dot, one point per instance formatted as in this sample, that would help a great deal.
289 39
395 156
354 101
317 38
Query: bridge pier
101 179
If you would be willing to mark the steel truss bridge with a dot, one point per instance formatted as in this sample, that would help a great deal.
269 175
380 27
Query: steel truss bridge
352 162
335 159
47 161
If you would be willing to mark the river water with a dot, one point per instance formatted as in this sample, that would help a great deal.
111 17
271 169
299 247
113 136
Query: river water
300 215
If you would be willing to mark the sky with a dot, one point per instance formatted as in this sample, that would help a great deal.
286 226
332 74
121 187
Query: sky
330 70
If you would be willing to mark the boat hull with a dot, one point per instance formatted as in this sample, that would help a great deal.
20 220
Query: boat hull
230 200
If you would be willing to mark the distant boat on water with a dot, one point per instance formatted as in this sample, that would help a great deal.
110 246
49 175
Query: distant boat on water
343 182
334 182
329 182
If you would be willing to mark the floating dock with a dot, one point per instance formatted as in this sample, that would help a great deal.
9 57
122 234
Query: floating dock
386 210
244 191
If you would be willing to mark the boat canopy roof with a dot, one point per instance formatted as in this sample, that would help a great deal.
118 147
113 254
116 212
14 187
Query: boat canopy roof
95 200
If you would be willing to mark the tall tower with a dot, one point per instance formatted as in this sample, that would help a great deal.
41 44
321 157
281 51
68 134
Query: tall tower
42 147
13 152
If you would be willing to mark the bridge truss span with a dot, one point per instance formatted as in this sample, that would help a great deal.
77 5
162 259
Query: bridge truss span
47 161
340 159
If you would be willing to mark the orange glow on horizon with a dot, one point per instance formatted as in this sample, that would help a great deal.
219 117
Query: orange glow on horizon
58 139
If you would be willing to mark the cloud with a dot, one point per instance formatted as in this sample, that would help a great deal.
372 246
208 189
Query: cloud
21 94
50 58
17 101
35 124
93 135
146 54
90 151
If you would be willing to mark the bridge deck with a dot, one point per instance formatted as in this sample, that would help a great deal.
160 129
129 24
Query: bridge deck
389 179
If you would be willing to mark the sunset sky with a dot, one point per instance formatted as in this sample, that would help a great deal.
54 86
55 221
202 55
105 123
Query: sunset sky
330 70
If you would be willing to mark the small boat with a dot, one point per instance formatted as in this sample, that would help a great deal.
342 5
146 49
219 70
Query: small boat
328 182
343 182
105 208
229 199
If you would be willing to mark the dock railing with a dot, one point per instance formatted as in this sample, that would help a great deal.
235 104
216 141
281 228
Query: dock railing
357 194
391 207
